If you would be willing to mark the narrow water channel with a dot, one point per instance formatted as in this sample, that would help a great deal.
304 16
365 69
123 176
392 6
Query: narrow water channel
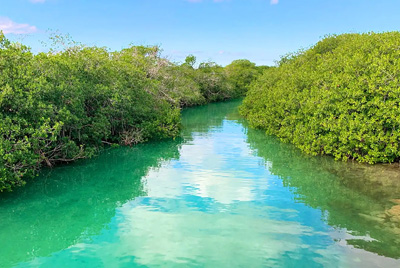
221 195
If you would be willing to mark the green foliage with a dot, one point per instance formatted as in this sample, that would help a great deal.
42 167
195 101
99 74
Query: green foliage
214 85
340 97
66 104
241 73
190 61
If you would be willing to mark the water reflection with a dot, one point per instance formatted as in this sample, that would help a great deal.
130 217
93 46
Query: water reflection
359 198
75 202
222 195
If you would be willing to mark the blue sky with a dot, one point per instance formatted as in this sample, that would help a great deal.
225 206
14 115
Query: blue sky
217 30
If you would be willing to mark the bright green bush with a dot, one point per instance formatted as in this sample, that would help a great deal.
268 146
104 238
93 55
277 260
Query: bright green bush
341 97
64 106
57 107
241 73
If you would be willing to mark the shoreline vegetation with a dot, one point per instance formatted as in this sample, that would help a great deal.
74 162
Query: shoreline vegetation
60 106
341 98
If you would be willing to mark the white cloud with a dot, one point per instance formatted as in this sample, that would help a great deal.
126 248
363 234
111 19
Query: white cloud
274 2
206 172
37 1
215 239
10 27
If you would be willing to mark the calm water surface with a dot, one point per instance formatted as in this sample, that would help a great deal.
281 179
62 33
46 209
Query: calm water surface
221 195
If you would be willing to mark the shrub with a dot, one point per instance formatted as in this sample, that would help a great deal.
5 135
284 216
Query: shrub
57 107
241 73
340 97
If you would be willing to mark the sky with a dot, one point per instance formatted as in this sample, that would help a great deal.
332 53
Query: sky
212 30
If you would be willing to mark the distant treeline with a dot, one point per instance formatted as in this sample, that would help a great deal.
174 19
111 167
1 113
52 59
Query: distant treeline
64 105
341 97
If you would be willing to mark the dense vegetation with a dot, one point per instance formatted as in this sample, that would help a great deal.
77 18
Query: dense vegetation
64 105
341 97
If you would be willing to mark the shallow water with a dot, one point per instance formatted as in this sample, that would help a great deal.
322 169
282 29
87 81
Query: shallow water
221 195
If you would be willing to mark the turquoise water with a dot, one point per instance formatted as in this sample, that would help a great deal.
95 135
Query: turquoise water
221 195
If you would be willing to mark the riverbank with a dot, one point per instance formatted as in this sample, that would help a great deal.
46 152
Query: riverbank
61 106
219 184
339 98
